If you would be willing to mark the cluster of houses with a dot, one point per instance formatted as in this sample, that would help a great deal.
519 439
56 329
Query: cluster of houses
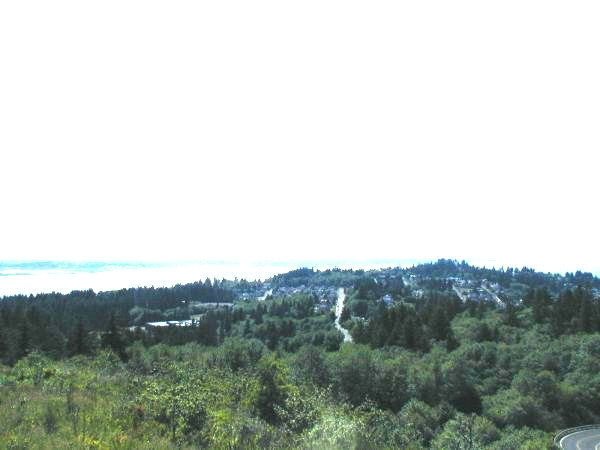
163 324
323 306
387 300
327 296
322 292
171 323
259 293
329 293
477 291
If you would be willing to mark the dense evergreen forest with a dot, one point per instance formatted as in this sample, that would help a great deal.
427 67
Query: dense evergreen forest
444 355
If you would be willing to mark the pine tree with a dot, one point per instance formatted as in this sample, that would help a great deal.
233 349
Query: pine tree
272 389
439 325
540 304
78 342
395 337
510 316
247 328
585 316
451 341
345 315
112 339
23 342
207 330
410 333
221 336
3 346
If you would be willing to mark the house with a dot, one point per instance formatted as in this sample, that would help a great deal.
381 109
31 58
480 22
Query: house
418 293
322 307
171 323
387 299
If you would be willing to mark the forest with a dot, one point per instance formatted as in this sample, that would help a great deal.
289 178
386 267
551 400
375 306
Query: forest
425 369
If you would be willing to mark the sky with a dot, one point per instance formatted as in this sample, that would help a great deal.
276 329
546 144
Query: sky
313 130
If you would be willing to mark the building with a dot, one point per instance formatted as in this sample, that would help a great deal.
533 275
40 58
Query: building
171 323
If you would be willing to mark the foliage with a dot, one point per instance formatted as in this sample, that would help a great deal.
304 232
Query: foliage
425 371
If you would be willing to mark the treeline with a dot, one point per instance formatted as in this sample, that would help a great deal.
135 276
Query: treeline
47 322
311 277
285 324
572 311
416 324
445 268
412 326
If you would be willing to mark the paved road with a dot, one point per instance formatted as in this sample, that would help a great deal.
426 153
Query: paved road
462 296
493 294
582 440
338 312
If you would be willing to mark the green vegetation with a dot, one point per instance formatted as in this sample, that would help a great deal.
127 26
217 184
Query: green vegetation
425 371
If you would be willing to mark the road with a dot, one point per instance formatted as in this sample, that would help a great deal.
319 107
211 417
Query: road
493 294
581 440
462 296
341 298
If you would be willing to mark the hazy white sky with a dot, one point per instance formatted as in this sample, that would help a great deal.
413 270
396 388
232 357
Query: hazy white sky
259 130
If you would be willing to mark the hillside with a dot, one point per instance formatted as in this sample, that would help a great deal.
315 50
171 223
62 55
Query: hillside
444 355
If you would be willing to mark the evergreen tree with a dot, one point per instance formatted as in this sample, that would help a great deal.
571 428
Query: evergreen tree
207 330
451 341
540 304
23 343
78 341
3 346
410 333
273 388
247 329
112 338
510 315
585 315
439 324
345 315
395 337
221 335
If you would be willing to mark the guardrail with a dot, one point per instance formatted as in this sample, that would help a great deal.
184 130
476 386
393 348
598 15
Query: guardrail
568 431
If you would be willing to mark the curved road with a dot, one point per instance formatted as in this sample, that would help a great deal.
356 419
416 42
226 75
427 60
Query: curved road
581 440
338 312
